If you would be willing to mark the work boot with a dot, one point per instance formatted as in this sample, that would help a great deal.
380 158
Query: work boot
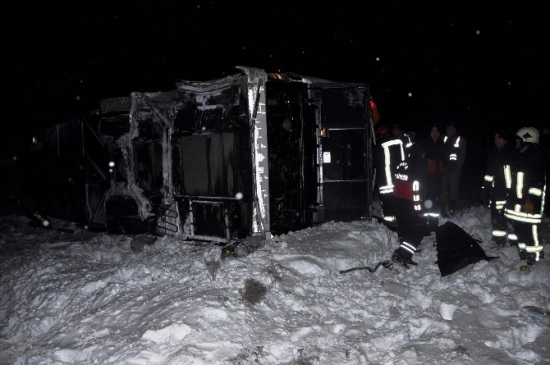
500 242
402 259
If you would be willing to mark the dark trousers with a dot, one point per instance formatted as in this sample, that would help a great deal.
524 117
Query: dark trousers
450 182
499 225
527 234
411 228
432 192
386 202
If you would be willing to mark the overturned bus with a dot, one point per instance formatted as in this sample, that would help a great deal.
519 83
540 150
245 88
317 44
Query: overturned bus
250 155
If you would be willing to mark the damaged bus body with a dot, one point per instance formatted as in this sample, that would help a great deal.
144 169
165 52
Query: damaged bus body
250 155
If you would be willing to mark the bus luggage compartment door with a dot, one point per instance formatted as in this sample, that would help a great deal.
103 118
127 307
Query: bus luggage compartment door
346 160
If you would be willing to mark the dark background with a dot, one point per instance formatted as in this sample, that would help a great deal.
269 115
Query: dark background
480 64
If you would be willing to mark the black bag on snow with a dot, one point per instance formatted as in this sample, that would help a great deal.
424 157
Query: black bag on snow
456 249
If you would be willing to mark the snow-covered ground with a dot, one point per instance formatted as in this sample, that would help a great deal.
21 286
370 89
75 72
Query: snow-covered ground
86 298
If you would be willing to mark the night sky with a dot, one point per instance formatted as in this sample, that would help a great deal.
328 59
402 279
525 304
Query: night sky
480 63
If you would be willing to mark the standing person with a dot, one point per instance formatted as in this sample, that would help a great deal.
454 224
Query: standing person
408 185
493 190
455 155
525 180
388 153
512 238
433 146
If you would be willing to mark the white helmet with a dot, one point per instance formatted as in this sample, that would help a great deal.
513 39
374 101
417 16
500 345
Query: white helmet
528 134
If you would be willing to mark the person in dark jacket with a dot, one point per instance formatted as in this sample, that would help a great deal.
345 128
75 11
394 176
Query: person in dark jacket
433 155
493 190
455 156
407 194
526 183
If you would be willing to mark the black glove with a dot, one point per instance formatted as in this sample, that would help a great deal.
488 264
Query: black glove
484 196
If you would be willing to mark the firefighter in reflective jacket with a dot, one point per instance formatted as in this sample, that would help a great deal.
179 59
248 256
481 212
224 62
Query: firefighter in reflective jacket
526 183
408 182
493 190
388 154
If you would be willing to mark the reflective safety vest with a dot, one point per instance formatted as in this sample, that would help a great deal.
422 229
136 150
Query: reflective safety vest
392 153
456 152
526 183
